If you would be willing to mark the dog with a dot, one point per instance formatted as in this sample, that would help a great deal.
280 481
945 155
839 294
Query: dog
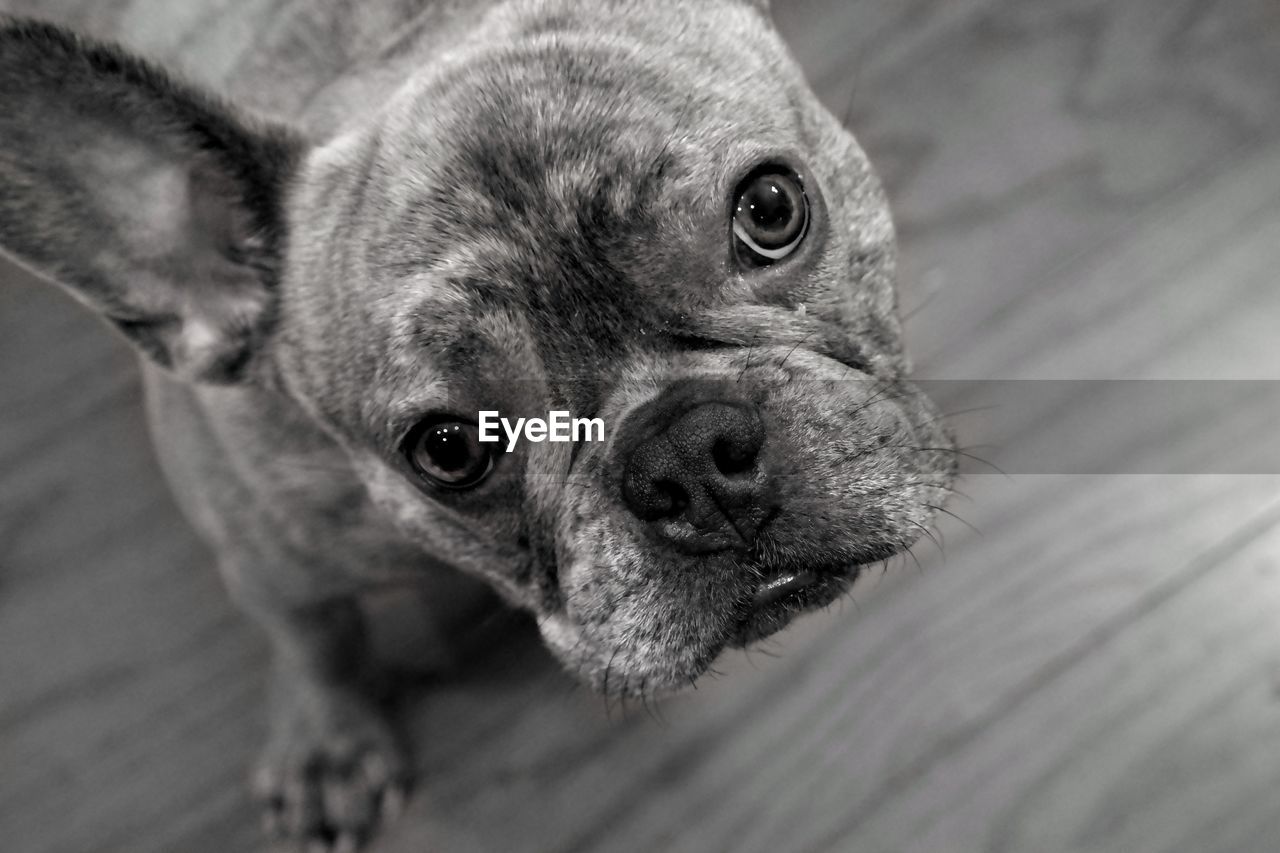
337 243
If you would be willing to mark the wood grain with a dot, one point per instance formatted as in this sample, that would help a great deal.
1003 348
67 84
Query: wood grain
1085 190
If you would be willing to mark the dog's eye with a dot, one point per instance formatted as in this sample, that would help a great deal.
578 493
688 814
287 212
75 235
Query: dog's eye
449 453
771 216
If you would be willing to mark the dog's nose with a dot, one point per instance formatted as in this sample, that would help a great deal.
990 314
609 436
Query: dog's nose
703 469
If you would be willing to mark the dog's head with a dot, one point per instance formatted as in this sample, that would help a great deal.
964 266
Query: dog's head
637 213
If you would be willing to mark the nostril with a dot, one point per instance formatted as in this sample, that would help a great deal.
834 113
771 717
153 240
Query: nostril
734 457
674 498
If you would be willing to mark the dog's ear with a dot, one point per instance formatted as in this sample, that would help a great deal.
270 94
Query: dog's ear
153 202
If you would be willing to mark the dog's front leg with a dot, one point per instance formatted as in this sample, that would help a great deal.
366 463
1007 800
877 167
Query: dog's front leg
332 766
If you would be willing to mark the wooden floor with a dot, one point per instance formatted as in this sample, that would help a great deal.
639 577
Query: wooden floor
1086 189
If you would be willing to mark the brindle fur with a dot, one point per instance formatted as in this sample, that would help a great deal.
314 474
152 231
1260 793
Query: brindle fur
519 206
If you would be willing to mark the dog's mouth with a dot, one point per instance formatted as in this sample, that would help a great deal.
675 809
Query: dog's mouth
782 597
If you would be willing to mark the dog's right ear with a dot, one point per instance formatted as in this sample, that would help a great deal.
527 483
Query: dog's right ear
153 202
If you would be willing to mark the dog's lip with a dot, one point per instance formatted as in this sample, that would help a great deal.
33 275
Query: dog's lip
782 597
776 589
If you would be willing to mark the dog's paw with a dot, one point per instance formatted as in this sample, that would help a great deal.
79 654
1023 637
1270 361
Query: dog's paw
331 773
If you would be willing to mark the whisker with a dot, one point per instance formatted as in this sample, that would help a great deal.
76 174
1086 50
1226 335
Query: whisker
750 351
926 532
604 687
799 344
946 511
956 452
850 105
925 303
970 410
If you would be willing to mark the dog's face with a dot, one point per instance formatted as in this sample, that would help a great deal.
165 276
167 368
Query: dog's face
645 218
652 222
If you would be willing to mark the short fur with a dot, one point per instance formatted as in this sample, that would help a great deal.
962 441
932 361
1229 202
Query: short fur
533 217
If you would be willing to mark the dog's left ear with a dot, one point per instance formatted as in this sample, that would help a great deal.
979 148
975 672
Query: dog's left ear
153 202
